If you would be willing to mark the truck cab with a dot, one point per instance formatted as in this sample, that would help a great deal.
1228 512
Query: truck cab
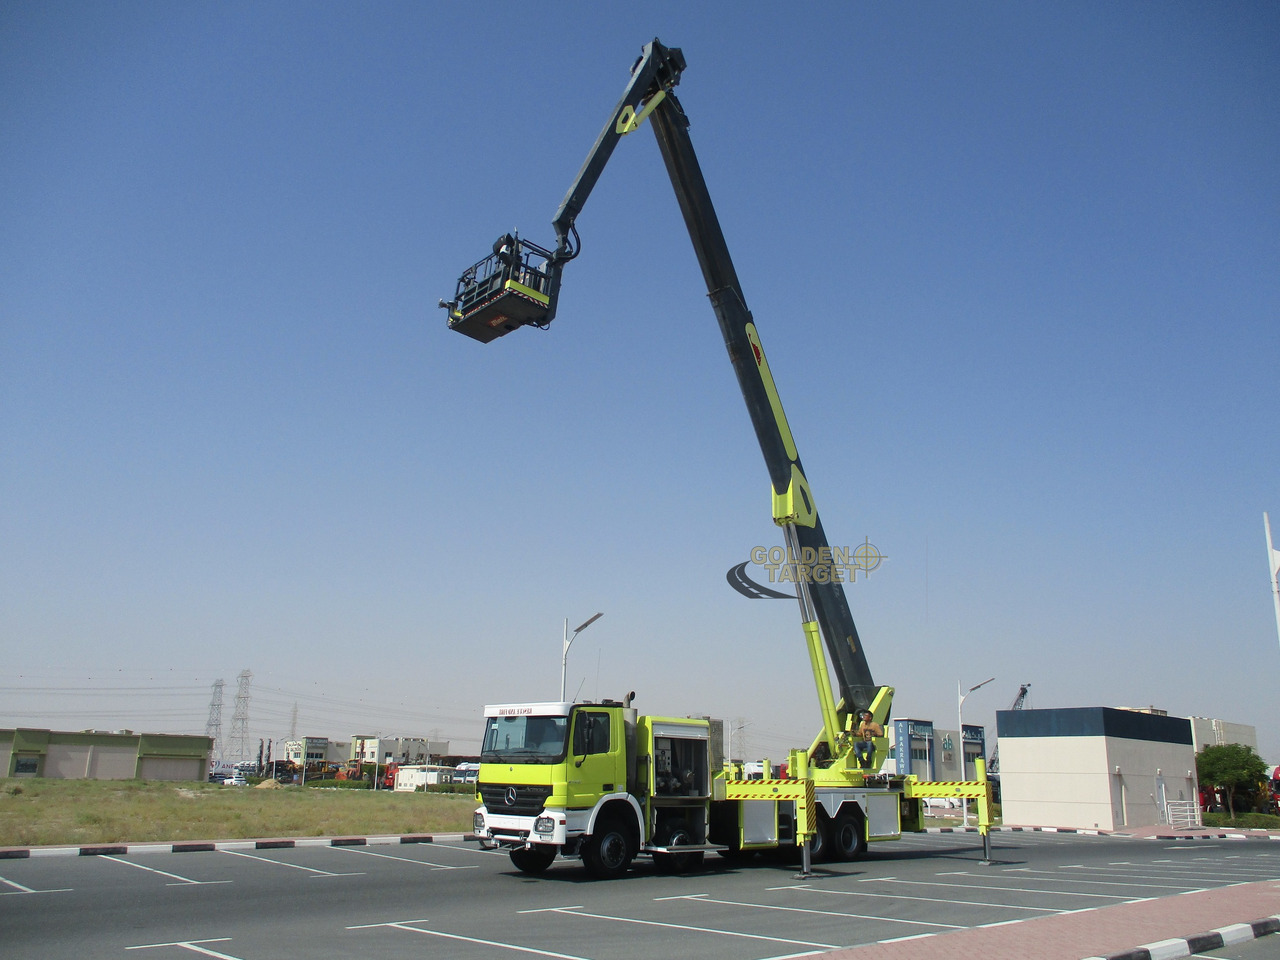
596 781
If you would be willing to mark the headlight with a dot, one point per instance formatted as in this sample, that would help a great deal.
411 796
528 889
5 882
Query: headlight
477 822
544 825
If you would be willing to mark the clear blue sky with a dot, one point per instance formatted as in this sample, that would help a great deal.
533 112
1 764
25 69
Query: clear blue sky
1016 268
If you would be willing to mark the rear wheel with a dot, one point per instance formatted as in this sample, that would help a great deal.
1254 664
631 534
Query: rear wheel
533 860
849 835
607 853
821 842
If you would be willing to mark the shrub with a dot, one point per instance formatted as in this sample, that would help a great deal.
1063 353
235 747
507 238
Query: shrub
339 784
1243 821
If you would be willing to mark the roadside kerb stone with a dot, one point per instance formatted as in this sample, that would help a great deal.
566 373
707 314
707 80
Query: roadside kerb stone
209 846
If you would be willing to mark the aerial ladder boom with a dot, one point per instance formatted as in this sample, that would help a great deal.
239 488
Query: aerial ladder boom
519 284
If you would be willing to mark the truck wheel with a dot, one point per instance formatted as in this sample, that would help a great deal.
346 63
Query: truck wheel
820 844
607 853
534 860
849 836
676 835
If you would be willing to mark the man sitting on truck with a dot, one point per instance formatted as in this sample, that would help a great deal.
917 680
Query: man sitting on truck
866 732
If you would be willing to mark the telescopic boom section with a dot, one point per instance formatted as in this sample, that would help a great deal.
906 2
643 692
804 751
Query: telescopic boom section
650 95
793 500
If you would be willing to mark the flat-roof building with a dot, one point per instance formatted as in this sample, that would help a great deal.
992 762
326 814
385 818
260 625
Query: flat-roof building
103 755
1093 767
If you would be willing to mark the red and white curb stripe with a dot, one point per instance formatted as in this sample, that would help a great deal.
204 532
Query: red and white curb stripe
208 846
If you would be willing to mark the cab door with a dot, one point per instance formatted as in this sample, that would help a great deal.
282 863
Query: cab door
595 746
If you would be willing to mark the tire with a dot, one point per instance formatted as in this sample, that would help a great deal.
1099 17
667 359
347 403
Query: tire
676 834
608 852
849 836
533 860
823 842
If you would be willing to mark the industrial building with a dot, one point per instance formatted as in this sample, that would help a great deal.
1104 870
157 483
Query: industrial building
318 750
102 755
371 747
1207 732
1093 767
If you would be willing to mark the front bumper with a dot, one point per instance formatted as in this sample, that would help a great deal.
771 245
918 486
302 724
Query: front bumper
549 826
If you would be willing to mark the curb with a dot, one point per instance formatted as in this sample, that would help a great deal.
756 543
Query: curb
1215 836
209 846
1179 947
1079 831
1075 830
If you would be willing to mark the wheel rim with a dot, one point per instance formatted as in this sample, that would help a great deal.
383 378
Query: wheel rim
847 839
613 850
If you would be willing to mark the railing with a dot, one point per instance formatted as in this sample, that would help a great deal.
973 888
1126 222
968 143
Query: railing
526 264
1183 814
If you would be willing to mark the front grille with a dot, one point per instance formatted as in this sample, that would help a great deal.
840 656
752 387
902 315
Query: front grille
528 799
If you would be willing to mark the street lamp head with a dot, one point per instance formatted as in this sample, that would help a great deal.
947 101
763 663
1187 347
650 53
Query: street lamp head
568 640
587 623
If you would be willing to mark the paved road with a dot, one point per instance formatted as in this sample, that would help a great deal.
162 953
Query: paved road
450 899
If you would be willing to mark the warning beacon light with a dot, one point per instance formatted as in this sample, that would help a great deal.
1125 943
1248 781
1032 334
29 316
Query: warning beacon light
515 286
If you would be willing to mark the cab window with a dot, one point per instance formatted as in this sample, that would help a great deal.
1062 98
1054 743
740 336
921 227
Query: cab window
590 733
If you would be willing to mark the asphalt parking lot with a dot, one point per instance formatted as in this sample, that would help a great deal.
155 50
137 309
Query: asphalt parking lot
452 899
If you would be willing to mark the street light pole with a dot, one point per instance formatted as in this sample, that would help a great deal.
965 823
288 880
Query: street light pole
1273 568
960 734
568 641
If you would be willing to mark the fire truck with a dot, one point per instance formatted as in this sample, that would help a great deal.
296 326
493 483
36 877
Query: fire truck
599 781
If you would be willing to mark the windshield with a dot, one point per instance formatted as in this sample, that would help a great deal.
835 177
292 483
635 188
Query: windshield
524 739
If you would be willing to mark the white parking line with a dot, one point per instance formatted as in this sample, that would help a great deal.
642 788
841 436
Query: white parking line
894 896
986 886
404 925
192 945
469 848
1167 874
281 863
683 926
423 863
20 889
174 876
1096 881
705 898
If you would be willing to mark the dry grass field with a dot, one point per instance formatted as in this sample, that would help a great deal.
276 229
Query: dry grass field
41 812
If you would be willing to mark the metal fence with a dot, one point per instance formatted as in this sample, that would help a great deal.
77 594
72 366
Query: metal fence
1183 813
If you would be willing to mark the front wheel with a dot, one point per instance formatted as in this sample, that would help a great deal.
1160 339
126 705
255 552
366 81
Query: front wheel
533 860
607 853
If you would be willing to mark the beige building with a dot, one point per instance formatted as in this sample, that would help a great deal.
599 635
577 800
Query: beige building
319 750
1093 767
102 755
1206 732
369 748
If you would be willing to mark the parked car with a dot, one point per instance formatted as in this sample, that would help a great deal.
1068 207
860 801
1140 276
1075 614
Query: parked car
235 781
